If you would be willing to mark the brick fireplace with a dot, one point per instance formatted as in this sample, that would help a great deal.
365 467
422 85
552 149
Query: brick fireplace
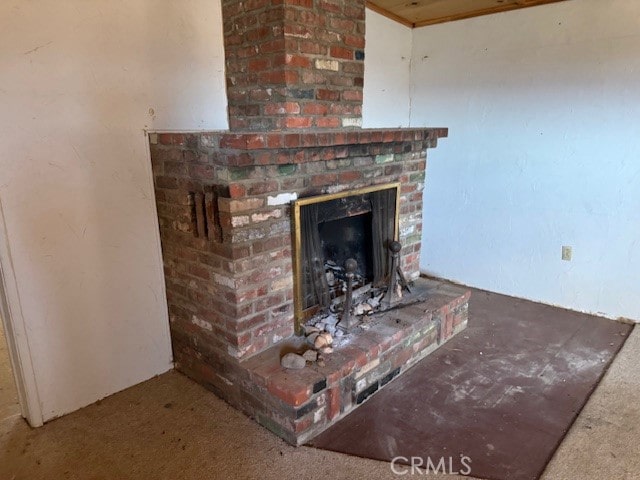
294 82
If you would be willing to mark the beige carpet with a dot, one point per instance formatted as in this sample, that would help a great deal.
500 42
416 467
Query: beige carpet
604 442
171 428
9 406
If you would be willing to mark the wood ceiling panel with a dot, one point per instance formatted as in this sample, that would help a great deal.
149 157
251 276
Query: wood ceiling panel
418 13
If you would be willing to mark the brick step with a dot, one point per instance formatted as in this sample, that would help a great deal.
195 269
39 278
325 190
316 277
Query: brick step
299 404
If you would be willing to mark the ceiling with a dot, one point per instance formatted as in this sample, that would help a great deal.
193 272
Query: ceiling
419 13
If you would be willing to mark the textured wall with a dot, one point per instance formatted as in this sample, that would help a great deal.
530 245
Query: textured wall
387 70
80 82
543 108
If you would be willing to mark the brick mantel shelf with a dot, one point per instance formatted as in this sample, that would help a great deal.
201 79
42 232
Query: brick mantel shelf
255 142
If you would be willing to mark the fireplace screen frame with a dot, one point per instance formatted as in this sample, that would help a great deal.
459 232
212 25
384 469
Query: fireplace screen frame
300 314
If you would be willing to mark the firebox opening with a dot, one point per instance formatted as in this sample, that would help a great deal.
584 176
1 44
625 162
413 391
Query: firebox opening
331 229
346 238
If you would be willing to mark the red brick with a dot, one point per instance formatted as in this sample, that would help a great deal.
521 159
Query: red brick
448 326
303 424
325 94
291 140
257 34
400 358
298 122
355 10
249 323
172 139
267 245
290 393
331 6
352 95
255 141
341 52
166 182
356 41
328 122
299 3
324 179
258 64
199 271
297 61
348 177
311 47
271 46
313 78
315 109
343 25
237 191
282 108
274 141
233 141
334 403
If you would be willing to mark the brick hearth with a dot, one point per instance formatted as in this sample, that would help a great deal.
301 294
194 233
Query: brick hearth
294 80
297 406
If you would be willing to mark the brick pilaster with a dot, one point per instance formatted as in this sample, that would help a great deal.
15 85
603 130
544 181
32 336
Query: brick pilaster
294 64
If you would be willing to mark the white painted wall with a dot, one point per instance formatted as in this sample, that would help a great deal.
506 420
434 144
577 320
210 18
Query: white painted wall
543 106
387 73
78 81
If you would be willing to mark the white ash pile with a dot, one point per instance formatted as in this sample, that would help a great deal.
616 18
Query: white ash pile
323 332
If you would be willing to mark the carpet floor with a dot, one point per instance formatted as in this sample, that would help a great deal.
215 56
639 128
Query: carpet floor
9 406
496 401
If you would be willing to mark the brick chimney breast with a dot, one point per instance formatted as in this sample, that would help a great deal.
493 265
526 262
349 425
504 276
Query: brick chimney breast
294 64
294 72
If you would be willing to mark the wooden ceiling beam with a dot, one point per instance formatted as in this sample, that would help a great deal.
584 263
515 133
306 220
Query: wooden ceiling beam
388 14
460 9
484 11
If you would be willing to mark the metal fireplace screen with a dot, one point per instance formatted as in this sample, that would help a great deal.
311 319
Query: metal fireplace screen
328 229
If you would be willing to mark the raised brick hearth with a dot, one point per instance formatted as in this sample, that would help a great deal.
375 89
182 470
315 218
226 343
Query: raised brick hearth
294 79
297 405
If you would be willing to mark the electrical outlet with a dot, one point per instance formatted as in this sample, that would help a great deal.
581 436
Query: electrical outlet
567 253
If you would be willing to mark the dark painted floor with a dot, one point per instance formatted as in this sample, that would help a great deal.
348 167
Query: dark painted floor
502 393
